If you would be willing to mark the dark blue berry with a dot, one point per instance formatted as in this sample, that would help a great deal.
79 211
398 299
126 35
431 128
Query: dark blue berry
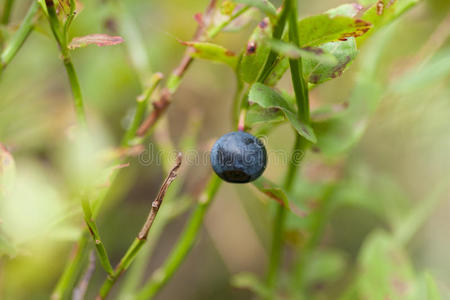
238 157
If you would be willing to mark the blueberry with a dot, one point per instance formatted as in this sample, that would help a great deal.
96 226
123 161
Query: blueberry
238 157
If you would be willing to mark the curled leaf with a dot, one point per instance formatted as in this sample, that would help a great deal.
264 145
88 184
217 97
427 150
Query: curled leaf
97 39
292 51
317 71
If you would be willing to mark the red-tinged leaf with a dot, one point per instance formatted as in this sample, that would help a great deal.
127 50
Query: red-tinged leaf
97 39
320 29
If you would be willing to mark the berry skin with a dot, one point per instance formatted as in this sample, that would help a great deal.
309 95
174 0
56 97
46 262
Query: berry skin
238 157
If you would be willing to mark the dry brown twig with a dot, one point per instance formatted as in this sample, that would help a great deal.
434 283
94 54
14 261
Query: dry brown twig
160 106
132 251
159 198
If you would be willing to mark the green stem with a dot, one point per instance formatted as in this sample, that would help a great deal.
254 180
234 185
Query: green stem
316 228
137 270
141 238
217 29
6 11
142 104
76 91
184 244
277 33
296 66
99 246
61 38
236 101
72 269
121 267
279 221
100 199
19 36
302 99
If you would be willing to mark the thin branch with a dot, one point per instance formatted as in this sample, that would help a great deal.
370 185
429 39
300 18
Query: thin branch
202 34
302 99
142 103
19 36
80 291
72 268
7 7
69 272
184 244
159 198
61 38
140 240
99 246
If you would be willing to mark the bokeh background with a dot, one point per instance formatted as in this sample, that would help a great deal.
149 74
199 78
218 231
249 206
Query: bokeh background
400 159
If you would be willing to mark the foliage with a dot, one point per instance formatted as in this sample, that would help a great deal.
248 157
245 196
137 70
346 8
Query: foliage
348 197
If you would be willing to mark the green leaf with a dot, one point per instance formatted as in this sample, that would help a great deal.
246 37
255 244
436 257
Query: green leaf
320 29
385 270
256 53
213 52
7 171
257 115
281 66
291 51
270 189
251 282
383 12
340 53
338 134
344 52
276 193
348 10
266 97
263 5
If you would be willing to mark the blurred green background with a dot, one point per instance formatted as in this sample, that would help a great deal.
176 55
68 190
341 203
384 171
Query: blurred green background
402 156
